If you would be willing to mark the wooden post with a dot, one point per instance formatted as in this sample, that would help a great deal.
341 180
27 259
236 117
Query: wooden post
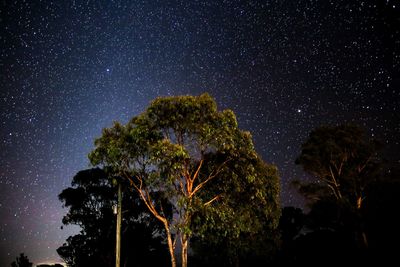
119 218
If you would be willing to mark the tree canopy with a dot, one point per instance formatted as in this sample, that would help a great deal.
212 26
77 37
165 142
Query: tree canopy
185 152
346 164
21 261
343 160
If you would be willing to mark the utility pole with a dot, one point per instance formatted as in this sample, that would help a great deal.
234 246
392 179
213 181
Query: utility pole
119 218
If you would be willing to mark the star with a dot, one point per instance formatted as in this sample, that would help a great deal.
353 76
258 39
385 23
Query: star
283 69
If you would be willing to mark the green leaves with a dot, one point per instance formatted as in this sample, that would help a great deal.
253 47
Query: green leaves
184 149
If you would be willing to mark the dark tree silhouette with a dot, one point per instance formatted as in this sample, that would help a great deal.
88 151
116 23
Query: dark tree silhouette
290 223
90 201
381 217
345 162
21 261
48 265
352 203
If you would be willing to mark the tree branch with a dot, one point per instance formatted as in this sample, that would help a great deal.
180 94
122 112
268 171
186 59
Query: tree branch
211 176
361 168
336 189
212 200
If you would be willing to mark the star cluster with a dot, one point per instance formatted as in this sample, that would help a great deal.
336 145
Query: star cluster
69 68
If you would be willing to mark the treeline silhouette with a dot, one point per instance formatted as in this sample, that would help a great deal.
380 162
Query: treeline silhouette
352 203
196 191
23 261
50 265
334 230
350 216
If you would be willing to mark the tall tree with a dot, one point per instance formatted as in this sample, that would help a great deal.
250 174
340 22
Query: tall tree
345 162
21 261
90 201
167 153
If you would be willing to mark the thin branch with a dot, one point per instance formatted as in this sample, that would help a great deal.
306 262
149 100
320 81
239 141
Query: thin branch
361 168
146 198
341 165
196 174
333 190
211 176
189 180
212 200
182 187
335 183
174 242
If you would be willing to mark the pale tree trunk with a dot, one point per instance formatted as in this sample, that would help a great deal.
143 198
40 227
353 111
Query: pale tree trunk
363 234
184 251
145 196
170 245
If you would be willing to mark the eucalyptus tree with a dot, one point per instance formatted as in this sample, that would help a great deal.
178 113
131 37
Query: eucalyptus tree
172 153
345 163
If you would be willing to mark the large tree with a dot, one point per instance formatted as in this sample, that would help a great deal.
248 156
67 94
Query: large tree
90 201
171 153
345 162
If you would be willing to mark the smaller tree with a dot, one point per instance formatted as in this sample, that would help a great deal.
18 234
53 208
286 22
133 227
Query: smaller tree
345 162
21 261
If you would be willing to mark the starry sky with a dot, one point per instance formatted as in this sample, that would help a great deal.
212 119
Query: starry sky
70 68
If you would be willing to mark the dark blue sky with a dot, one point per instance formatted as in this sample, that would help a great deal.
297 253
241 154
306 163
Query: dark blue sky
69 68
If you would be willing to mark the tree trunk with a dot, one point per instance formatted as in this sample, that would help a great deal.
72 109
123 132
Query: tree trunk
359 202
185 242
363 234
170 245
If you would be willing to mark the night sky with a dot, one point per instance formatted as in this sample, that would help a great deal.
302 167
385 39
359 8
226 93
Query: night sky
70 68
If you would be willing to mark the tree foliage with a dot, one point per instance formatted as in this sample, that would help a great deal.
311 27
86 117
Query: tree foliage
21 261
241 226
345 163
343 160
90 201
183 151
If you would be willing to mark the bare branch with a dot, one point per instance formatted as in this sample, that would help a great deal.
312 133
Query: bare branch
334 191
212 200
196 174
341 165
174 242
361 168
211 176
335 183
